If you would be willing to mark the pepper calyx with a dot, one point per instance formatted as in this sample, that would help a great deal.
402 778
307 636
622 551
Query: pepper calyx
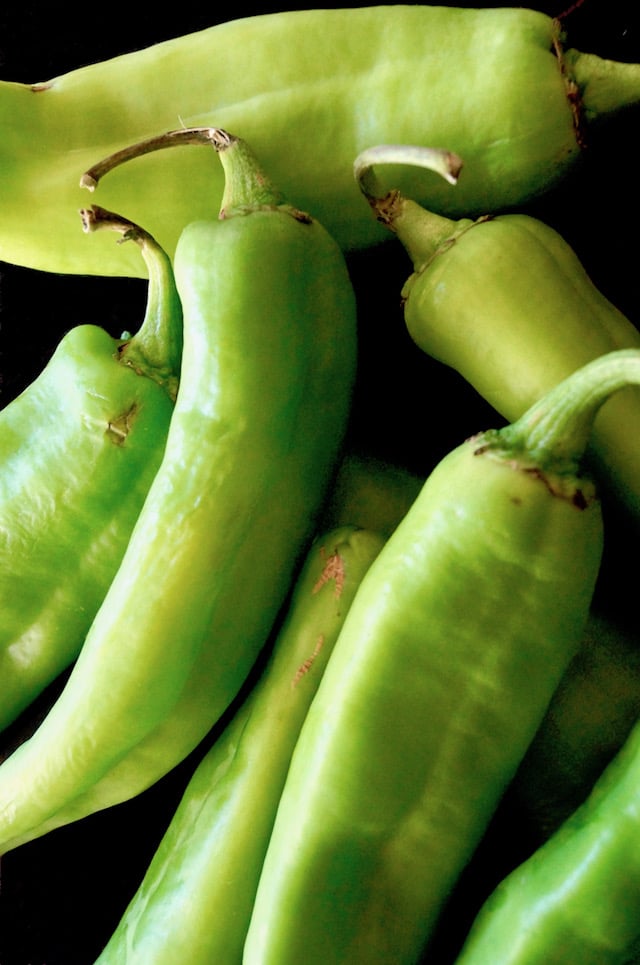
563 480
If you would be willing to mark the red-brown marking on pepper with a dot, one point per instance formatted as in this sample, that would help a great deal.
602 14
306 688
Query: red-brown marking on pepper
306 665
557 487
333 570
118 429
573 93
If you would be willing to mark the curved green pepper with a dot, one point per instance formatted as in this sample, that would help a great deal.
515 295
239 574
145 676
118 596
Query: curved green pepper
266 381
195 901
577 898
436 686
79 449
308 90
367 492
506 303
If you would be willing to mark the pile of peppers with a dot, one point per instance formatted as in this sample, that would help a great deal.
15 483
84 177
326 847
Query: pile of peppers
319 487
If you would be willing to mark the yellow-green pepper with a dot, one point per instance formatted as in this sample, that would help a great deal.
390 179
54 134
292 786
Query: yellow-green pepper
505 302
309 90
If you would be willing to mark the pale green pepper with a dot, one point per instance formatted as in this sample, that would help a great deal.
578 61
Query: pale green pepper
505 302
309 89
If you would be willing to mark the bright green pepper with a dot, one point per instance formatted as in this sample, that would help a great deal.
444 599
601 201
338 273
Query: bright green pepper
506 302
450 653
79 449
195 901
266 381
577 898
308 90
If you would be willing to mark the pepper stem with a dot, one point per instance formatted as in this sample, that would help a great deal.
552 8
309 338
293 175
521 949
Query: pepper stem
605 86
555 431
156 349
187 135
247 186
445 163
421 232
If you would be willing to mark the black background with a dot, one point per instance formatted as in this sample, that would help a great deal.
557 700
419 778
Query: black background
61 897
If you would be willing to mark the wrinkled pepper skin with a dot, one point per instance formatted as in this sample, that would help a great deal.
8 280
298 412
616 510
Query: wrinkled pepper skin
195 901
506 302
450 653
577 898
79 449
485 83
267 375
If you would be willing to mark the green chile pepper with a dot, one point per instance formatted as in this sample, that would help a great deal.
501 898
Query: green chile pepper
266 381
195 901
577 898
598 698
79 448
308 90
436 686
506 303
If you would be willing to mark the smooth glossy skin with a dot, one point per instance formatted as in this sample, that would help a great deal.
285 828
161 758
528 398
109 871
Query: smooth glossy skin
577 898
309 90
79 449
453 646
267 375
195 901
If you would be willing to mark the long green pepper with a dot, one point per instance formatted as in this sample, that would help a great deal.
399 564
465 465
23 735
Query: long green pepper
577 898
597 701
309 90
195 901
450 653
506 302
267 374
79 449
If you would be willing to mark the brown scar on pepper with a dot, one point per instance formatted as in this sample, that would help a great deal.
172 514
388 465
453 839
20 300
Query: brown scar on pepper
580 496
307 664
572 91
333 570
118 429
